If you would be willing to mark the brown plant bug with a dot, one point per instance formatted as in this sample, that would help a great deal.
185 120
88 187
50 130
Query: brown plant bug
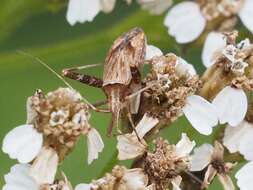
121 76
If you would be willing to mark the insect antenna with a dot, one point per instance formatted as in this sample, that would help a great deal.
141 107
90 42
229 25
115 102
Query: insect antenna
56 74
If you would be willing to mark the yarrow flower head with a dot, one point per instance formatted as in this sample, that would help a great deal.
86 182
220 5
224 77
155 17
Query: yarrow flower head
119 179
211 158
172 84
19 178
54 124
230 65
167 162
219 14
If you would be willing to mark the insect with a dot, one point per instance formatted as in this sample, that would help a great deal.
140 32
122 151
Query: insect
121 76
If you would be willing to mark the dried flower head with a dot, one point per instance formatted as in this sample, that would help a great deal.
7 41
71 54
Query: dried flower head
229 78
120 178
166 163
60 116
172 84
55 122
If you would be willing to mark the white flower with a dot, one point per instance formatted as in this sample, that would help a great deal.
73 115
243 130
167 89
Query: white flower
155 7
214 42
244 177
23 143
82 10
20 179
83 186
201 157
44 167
231 105
183 68
176 181
152 51
207 156
145 125
107 5
58 117
185 22
86 10
95 144
133 179
238 139
129 146
201 114
246 14
184 146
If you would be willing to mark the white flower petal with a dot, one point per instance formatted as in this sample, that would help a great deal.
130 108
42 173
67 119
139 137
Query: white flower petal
184 146
246 14
201 157
95 144
82 10
19 179
185 22
107 5
209 176
201 114
134 179
226 181
155 7
244 177
145 125
246 145
83 186
214 42
129 146
152 51
183 68
231 105
176 181
23 143
44 167
233 135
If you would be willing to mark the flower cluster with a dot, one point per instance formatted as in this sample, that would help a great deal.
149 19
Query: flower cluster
85 11
54 124
171 88
217 15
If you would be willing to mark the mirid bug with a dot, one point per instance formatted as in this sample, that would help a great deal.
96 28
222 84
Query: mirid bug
121 76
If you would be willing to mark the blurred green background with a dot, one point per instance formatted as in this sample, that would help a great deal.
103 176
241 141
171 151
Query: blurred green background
39 27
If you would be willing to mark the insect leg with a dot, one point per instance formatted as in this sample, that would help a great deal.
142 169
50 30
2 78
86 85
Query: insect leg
86 79
140 91
132 125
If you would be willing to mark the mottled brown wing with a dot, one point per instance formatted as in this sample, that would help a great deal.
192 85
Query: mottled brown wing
127 51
